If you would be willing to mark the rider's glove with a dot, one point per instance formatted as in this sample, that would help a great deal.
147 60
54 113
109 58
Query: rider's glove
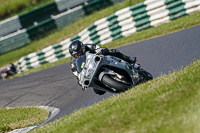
102 51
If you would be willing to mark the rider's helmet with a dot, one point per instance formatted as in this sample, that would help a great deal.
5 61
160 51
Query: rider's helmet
76 49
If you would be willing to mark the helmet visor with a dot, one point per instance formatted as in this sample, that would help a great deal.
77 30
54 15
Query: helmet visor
78 54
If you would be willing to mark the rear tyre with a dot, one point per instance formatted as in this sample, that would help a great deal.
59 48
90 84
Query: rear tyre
119 86
145 75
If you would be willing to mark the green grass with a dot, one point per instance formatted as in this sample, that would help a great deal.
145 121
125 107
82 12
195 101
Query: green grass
21 117
9 8
168 104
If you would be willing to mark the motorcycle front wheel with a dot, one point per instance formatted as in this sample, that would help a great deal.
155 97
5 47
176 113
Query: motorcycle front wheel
99 92
111 82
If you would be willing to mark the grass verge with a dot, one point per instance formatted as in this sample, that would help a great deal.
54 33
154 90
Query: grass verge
9 8
21 117
167 104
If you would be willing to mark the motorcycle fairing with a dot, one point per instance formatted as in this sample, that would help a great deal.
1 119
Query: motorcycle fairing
106 63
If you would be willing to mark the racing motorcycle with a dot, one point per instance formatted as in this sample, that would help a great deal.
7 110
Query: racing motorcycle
109 73
8 71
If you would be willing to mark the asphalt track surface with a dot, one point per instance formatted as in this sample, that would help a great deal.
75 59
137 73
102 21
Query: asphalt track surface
57 87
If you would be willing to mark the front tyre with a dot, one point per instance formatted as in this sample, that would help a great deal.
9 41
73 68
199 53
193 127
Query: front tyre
111 82
99 92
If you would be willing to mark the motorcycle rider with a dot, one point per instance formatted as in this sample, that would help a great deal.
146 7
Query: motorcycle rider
77 48
8 71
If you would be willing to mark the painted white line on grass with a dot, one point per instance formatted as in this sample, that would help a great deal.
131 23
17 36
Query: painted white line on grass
23 130
52 113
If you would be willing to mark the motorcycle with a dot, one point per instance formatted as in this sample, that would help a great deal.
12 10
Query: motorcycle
8 72
108 73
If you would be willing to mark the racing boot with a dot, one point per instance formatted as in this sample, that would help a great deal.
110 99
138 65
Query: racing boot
132 60
133 63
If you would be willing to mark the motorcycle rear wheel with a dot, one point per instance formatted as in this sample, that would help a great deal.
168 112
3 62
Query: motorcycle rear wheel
146 75
119 86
